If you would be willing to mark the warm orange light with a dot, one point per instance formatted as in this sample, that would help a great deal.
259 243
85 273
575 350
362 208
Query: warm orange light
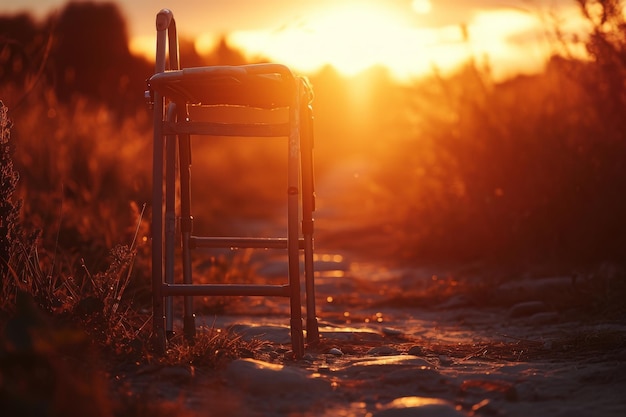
143 45
353 36
421 6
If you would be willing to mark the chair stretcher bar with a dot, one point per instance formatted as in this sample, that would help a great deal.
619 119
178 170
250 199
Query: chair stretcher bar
225 129
242 242
225 290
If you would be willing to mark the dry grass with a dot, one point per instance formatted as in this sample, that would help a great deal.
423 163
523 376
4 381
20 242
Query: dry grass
62 326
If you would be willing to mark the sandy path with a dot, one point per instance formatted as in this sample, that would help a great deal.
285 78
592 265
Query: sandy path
381 359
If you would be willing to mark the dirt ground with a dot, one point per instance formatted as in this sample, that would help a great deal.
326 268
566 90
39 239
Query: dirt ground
384 352
407 341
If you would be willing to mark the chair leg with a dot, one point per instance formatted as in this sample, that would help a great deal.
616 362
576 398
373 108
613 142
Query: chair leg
308 206
158 318
312 328
297 332
170 228
189 318
293 234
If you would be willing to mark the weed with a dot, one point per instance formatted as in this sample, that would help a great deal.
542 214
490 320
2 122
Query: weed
9 210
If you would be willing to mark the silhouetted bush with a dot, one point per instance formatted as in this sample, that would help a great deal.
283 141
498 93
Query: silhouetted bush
20 41
91 57
526 170
81 52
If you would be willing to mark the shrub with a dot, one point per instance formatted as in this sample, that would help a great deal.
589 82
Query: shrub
519 171
9 210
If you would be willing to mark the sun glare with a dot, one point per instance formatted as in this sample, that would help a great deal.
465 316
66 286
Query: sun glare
352 39
349 38
143 45
354 36
421 6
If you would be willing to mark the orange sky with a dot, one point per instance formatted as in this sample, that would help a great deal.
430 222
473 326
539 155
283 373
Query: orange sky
407 36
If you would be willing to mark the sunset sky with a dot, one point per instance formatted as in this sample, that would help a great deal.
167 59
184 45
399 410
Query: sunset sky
409 37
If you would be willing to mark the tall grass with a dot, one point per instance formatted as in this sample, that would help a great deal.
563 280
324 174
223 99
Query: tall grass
58 322
9 210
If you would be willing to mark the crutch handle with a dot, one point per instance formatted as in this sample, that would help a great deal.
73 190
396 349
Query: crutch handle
163 19
166 38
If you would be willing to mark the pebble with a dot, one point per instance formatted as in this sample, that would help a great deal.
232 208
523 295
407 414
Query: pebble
335 351
418 406
416 351
253 376
445 360
390 331
527 308
547 317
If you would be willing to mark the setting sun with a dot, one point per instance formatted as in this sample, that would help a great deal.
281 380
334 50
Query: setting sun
349 38
353 37
408 38
421 6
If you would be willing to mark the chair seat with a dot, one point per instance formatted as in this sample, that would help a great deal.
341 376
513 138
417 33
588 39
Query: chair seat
264 86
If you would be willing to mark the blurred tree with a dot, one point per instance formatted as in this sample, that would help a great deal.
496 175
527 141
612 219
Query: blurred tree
91 56
19 36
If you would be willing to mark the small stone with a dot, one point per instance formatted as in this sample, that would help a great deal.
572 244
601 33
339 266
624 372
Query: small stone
527 308
390 331
264 378
445 360
417 351
335 351
546 317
